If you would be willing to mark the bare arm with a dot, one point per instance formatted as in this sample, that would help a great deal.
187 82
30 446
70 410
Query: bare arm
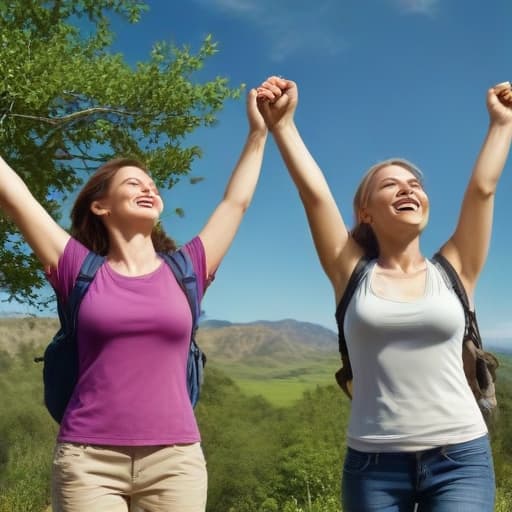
468 247
46 238
220 230
336 249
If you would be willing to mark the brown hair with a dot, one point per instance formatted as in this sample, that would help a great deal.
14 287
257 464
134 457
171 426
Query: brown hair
362 232
88 228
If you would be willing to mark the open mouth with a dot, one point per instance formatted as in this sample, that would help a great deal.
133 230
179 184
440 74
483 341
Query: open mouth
144 203
406 205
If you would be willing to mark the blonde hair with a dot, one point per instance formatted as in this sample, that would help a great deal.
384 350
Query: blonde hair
362 232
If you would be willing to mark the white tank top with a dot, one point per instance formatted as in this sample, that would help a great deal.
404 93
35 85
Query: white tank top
410 392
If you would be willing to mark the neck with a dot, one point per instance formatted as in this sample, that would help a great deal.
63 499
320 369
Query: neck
404 255
133 255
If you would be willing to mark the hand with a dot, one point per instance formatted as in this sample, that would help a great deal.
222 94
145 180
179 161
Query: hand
277 101
499 103
256 121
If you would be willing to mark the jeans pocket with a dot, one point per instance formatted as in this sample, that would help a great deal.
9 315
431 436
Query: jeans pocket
472 452
356 461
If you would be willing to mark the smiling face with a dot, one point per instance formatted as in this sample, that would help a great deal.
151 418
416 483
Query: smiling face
132 195
395 199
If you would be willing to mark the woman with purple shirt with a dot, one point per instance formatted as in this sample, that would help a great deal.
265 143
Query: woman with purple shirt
129 437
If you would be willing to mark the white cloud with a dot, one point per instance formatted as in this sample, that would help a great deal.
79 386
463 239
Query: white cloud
291 27
241 6
427 7
288 27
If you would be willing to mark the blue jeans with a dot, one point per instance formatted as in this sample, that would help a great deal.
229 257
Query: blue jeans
452 478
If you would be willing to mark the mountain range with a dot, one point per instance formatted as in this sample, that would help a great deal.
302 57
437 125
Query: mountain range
265 341
259 342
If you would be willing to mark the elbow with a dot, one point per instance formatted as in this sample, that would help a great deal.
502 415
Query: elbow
238 205
311 199
6 207
485 189
243 206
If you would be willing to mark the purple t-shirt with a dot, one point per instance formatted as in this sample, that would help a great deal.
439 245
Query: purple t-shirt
133 339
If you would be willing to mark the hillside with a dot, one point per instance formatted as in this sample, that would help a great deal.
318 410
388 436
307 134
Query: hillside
255 343
26 330
257 355
224 342
266 342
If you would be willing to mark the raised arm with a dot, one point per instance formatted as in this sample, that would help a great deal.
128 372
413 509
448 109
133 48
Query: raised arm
467 248
46 238
336 250
220 230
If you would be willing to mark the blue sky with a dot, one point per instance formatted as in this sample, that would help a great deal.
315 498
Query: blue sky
377 78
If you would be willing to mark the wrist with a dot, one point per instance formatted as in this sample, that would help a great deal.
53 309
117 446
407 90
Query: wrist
257 135
503 128
284 128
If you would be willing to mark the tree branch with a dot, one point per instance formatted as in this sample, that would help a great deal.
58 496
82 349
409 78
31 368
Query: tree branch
57 121
6 113
71 156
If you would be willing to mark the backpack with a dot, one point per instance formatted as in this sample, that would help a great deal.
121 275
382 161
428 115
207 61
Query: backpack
60 370
479 366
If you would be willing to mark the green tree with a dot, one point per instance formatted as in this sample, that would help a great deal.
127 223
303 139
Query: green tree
68 103
239 446
311 453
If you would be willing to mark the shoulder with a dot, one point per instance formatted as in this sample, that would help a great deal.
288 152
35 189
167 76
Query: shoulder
63 277
352 275
195 250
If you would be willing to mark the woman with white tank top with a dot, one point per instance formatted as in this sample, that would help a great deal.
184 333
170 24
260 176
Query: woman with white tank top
416 437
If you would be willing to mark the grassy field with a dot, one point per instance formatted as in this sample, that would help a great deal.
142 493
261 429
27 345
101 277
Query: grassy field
282 385
280 381
27 439
505 369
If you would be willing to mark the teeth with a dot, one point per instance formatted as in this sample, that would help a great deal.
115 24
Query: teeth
407 207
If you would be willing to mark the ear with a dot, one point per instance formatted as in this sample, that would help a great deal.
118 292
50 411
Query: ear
99 209
364 216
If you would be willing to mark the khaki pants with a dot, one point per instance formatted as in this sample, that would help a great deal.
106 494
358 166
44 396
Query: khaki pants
89 478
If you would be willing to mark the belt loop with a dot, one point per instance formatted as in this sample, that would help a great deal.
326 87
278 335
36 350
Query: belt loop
377 458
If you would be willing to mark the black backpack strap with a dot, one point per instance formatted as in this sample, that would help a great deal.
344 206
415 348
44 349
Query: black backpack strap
68 313
450 275
353 283
344 375
182 268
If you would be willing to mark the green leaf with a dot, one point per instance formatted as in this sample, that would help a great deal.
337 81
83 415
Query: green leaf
68 103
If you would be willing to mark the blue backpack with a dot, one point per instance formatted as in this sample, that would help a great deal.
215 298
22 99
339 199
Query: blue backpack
60 371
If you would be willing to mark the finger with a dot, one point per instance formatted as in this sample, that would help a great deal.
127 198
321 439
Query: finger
271 86
504 92
253 104
282 101
264 107
277 78
506 100
280 82
265 94
501 87
506 96
251 99
252 95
